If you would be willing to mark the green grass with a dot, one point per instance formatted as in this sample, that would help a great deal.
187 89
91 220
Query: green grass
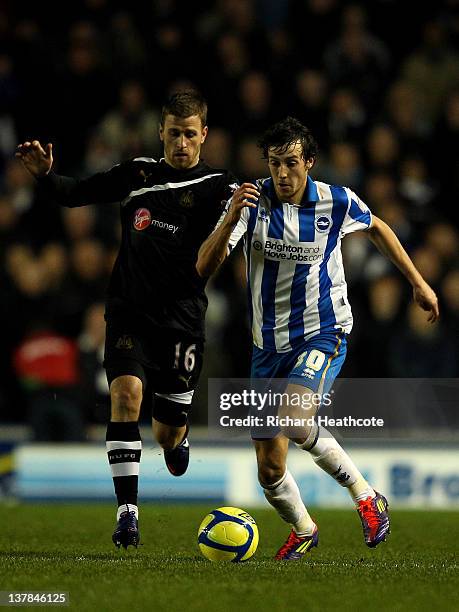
68 548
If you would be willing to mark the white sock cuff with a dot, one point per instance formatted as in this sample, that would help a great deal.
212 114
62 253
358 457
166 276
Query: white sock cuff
323 443
127 508
120 445
311 440
271 487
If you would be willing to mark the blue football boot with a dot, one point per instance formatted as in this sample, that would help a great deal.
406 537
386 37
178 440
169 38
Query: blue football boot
127 530
178 458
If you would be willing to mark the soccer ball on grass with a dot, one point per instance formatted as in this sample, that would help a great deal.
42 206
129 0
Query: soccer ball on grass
228 534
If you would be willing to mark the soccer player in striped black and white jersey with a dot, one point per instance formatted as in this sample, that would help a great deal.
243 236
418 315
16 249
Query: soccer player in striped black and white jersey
292 228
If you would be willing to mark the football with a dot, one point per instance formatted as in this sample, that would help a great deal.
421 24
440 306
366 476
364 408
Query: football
228 534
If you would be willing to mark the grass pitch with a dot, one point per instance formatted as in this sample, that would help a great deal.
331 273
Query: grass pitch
68 548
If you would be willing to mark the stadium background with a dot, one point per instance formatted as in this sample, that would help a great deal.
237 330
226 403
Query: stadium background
90 77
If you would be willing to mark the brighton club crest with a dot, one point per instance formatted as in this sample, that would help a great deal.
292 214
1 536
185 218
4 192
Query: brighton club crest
323 223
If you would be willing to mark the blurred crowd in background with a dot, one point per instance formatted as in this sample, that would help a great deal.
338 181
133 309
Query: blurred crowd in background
378 85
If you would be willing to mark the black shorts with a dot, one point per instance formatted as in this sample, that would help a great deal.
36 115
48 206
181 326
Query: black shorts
168 362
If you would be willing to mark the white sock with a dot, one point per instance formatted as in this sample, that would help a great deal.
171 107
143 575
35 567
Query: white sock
284 496
334 460
361 490
127 508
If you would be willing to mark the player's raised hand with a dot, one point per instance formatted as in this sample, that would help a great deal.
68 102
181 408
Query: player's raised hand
425 296
245 195
37 160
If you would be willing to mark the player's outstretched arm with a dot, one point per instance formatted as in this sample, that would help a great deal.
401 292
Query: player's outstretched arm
389 245
103 187
215 249
36 159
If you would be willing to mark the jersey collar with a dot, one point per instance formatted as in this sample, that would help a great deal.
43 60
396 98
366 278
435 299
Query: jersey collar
310 194
180 171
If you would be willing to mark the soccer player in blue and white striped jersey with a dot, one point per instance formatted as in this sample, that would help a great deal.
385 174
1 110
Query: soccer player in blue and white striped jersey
292 228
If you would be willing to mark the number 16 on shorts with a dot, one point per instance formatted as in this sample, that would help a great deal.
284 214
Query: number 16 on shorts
188 358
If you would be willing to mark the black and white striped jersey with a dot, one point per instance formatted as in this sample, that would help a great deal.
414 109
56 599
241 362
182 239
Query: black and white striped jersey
166 214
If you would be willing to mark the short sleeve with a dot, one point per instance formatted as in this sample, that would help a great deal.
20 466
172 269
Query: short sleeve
358 216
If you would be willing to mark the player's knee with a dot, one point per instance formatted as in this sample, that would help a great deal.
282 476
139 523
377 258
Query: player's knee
126 400
298 434
296 422
270 472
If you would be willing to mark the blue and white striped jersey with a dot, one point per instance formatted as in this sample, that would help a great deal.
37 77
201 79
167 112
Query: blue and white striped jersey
295 272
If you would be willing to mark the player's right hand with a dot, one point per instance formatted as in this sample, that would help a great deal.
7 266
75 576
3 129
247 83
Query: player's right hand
425 296
245 195
37 160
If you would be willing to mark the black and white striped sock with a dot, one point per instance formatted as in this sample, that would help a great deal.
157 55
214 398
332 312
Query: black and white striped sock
124 447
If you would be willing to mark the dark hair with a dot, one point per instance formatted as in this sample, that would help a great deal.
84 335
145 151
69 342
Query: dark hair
282 135
185 104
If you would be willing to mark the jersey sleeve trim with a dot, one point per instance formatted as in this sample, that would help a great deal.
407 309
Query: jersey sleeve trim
239 229
358 215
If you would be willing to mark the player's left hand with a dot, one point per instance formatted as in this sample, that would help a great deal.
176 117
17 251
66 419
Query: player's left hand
425 296
245 196
36 159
